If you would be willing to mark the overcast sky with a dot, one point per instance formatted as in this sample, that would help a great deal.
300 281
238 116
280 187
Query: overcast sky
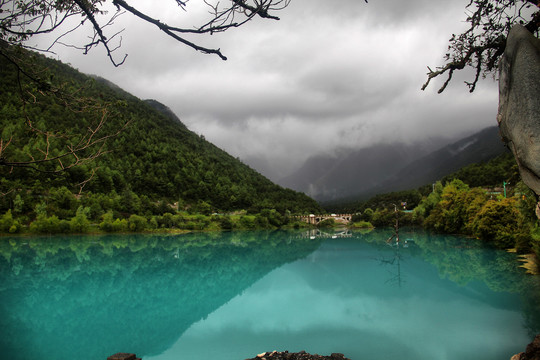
329 74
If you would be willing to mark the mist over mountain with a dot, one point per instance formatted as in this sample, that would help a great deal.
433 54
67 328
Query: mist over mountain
477 148
390 167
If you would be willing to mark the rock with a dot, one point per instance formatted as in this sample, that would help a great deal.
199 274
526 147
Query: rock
531 353
123 356
519 102
301 355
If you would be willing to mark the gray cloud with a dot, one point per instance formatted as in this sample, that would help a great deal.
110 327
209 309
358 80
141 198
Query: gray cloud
328 75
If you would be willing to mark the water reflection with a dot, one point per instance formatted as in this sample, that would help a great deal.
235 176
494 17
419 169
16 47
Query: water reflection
233 295
90 297
325 233
342 298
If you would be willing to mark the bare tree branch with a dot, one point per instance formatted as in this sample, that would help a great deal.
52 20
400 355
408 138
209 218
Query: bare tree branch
483 43
23 20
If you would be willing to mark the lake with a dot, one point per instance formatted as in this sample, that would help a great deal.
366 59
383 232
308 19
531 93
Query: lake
233 295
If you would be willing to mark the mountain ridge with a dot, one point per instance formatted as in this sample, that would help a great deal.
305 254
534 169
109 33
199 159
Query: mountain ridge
358 174
476 148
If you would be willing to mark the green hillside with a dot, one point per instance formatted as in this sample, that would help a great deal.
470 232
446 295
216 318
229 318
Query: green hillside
152 164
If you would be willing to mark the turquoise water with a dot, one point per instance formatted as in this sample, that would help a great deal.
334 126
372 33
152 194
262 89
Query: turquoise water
234 295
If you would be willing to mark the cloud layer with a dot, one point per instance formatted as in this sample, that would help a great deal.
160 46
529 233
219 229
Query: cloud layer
328 75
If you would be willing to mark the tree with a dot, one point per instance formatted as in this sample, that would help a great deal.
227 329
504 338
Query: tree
498 222
21 20
483 43
31 138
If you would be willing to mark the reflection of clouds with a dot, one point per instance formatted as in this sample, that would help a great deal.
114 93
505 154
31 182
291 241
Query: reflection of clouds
296 307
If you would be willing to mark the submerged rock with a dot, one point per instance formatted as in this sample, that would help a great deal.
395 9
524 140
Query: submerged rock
302 355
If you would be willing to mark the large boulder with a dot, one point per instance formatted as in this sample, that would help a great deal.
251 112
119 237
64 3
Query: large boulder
519 102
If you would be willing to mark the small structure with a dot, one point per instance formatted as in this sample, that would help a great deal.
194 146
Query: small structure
316 219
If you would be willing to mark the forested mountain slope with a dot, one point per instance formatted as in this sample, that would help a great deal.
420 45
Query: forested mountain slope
155 158
476 148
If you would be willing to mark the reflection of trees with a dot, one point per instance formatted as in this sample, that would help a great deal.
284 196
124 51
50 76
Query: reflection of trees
119 293
463 260
394 262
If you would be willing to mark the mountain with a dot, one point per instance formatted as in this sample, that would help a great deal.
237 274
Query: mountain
359 174
477 148
351 171
155 158
165 110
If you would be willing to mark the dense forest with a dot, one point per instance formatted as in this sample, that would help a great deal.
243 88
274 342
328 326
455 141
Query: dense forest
140 160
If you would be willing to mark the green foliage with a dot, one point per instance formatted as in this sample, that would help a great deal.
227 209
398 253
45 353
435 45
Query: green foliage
535 241
327 223
362 225
428 203
225 223
368 214
18 204
80 223
498 222
247 222
153 163
8 224
107 223
137 223
411 197
504 222
488 174
49 225
447 215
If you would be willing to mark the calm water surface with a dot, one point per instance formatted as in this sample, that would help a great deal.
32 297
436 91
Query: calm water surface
233 295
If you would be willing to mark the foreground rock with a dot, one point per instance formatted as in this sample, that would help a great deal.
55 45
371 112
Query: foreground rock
123 356
302 355
531 353
519 103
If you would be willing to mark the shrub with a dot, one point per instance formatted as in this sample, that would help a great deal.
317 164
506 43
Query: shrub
120 225
327 223
247 222
80 223
107 223
497 222
8 224
137 223
49 225
225 223
362 225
